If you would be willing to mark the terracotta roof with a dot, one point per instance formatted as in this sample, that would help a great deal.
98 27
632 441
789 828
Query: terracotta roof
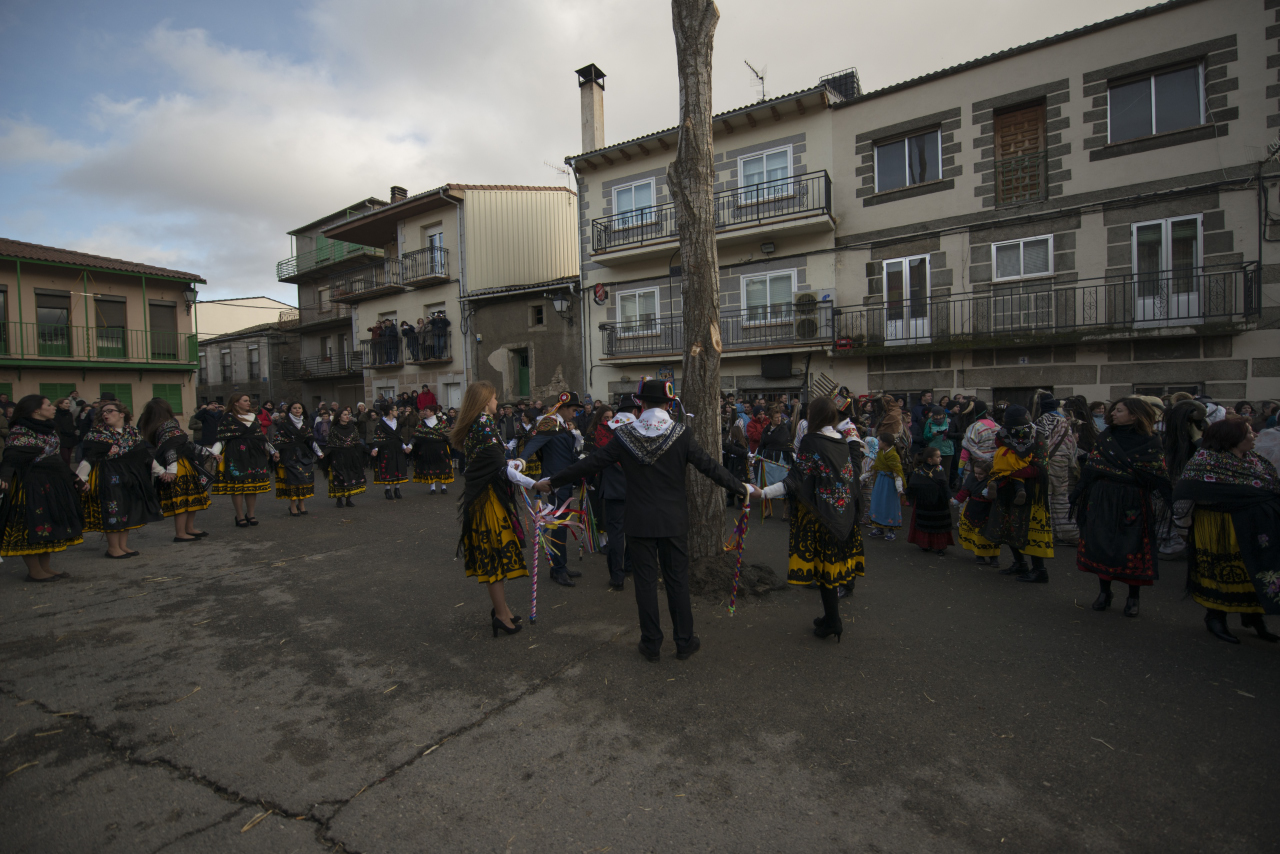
36 252
1020 49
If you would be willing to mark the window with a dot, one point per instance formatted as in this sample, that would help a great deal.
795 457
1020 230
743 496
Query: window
204 369
54 391
1159 103
768 296
226 366
123 393
536 315
636 202
906 294
1166 268
7 390
909 161
164 329
1019 259
322 299
767 173
53 320
1162 390
109 318
326 351
638 312
1021 307
169 392
255 367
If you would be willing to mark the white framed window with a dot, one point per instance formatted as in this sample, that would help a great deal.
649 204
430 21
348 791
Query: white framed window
1156 103
915 159
764 176
1167 258
769 296
633 204
1022 259
906 300
638 312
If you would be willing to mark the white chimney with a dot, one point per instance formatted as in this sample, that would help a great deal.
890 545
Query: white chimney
591 85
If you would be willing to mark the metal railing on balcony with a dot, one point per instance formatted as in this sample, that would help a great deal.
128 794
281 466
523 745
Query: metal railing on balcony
322 367
755 204
289 318
784 325
333 252
1022 179
424 266
392 351
1039 312
96 343
368 281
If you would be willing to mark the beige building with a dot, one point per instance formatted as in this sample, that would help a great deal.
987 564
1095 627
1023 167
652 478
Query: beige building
1090 213
74 321
223 316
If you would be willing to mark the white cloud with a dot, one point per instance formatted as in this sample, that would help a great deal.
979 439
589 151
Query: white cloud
24 142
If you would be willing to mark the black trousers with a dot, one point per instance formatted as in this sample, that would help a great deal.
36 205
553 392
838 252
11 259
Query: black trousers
614 514
671 555
560 536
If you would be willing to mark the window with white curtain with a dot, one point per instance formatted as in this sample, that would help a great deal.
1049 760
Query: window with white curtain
633 204
763 176
1022 259
638 312
768 296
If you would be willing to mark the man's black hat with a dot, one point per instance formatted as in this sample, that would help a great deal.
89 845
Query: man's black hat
655 391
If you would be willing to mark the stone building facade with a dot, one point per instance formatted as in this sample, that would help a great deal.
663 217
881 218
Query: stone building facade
251 361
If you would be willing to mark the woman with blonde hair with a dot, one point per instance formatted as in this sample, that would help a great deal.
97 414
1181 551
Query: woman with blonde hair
492 541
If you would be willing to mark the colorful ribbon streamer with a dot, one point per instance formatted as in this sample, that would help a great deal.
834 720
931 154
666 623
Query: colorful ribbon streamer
544 519
739 534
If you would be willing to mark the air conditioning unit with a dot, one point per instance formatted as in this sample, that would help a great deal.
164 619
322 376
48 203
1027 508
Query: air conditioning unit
806 321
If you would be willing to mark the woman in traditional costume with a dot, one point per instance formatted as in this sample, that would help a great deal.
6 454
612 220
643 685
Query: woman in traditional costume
243 472
431 461
298 451
344 459
1019 516
1228 500
189 465
1122 497
40 509
390 460
886 493
492 540
119 466
824 544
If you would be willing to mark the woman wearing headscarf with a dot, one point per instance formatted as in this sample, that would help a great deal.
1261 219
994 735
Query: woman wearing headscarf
1122 498
1228 499
298 450
1055 429
344 459
1023 526
119 467
390 460
979 442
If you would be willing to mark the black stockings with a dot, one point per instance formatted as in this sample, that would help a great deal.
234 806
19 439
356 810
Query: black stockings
1105 585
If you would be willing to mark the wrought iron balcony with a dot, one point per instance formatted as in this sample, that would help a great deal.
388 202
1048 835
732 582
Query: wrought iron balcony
34 342
423 267
324 314
1022 179
288 318
325 259
766 327
367 282
757 204
394 351
323 367
1038 312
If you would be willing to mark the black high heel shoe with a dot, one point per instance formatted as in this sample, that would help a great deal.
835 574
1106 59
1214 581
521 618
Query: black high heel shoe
498 624
1131 606
1216 623
242 523
826 629
515 618
1255 622
1103 602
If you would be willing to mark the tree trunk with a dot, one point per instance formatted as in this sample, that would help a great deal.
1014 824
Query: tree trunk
691 179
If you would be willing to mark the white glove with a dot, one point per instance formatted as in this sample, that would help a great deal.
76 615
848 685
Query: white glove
511 446
516 465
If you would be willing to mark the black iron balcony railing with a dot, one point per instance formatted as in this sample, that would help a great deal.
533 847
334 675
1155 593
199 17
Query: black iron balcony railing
368 281
333 252
1042 313
425 266
755 204
1023 178
322 367
745 329
392 351
323 312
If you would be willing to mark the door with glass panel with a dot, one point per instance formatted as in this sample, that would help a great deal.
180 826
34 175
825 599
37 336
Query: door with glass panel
906 295
53 324
633 205
764 177
1166 271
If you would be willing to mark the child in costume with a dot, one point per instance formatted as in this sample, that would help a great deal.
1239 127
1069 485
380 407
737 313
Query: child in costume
975 507
930 494
1006 464
886 502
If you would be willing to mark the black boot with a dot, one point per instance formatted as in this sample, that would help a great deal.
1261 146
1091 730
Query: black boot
398 495
1255 622
1016 568
1131 603
1216 623
350 503
386 493
1037 574
831 623
339 504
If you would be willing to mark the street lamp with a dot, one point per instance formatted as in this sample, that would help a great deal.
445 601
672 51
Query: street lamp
563 306
189 297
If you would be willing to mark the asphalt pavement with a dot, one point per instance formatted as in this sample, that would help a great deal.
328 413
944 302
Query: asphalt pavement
330 683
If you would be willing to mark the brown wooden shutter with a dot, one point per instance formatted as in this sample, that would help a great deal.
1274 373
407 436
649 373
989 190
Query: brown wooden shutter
1020 161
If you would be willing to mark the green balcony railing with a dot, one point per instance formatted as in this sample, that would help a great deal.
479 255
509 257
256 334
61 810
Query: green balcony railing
39 341
333 252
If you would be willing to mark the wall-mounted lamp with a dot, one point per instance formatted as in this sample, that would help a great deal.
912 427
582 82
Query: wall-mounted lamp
766 248
189 297
564 307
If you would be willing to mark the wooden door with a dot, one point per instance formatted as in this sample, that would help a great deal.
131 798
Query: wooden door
1020 157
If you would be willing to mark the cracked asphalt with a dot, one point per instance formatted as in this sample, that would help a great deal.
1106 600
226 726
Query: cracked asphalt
330 683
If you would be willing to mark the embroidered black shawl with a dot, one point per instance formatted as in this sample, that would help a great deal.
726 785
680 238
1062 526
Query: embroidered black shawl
824 479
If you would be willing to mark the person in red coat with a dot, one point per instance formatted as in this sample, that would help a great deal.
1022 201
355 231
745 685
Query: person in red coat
426 397
265 415
755 428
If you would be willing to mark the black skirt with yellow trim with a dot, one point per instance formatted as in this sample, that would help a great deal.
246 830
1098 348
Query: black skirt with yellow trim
1218 577
15 536
183 494
817 556
490 547
120 498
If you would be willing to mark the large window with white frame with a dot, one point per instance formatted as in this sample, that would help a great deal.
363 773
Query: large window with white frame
1022 259
638 312
764 176
1165 101
633 204
769 296
910 160
1166 268
906 299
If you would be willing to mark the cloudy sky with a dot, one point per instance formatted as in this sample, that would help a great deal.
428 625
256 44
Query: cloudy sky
194 135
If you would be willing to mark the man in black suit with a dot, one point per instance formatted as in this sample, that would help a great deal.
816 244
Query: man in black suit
559 448
654 451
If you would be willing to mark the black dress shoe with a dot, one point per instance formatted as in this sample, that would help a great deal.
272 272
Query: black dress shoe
339 504
573 573
688 651
648 653
1216 623
1035 576
493 612
1131 606
387 495
350 503
826 628
1103 602
564 581
1255 622
619 587
1017 568
398 495
499 625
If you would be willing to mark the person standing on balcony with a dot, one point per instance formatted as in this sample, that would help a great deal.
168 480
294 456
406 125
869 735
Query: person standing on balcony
558 446
390 342
119 467
1061 442
423 333
375 343
410 334
440 334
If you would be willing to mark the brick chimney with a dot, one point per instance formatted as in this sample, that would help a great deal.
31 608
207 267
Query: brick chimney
398 194
591 85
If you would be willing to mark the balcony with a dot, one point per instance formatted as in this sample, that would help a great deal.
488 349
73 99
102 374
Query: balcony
398 351
328 258
423 267
804 325
323 367
322 314
367 282
1022 179
796 205
80 346
1198 300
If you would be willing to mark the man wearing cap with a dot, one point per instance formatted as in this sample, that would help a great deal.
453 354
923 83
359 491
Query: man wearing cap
559 448
654 451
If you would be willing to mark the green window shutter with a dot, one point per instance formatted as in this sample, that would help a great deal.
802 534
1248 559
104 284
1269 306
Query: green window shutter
123 393
53 391
171 392
7 388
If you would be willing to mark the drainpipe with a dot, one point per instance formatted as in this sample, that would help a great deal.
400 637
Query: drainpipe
462 287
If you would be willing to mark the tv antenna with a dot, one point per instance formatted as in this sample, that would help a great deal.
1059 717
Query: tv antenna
566 174
759 75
